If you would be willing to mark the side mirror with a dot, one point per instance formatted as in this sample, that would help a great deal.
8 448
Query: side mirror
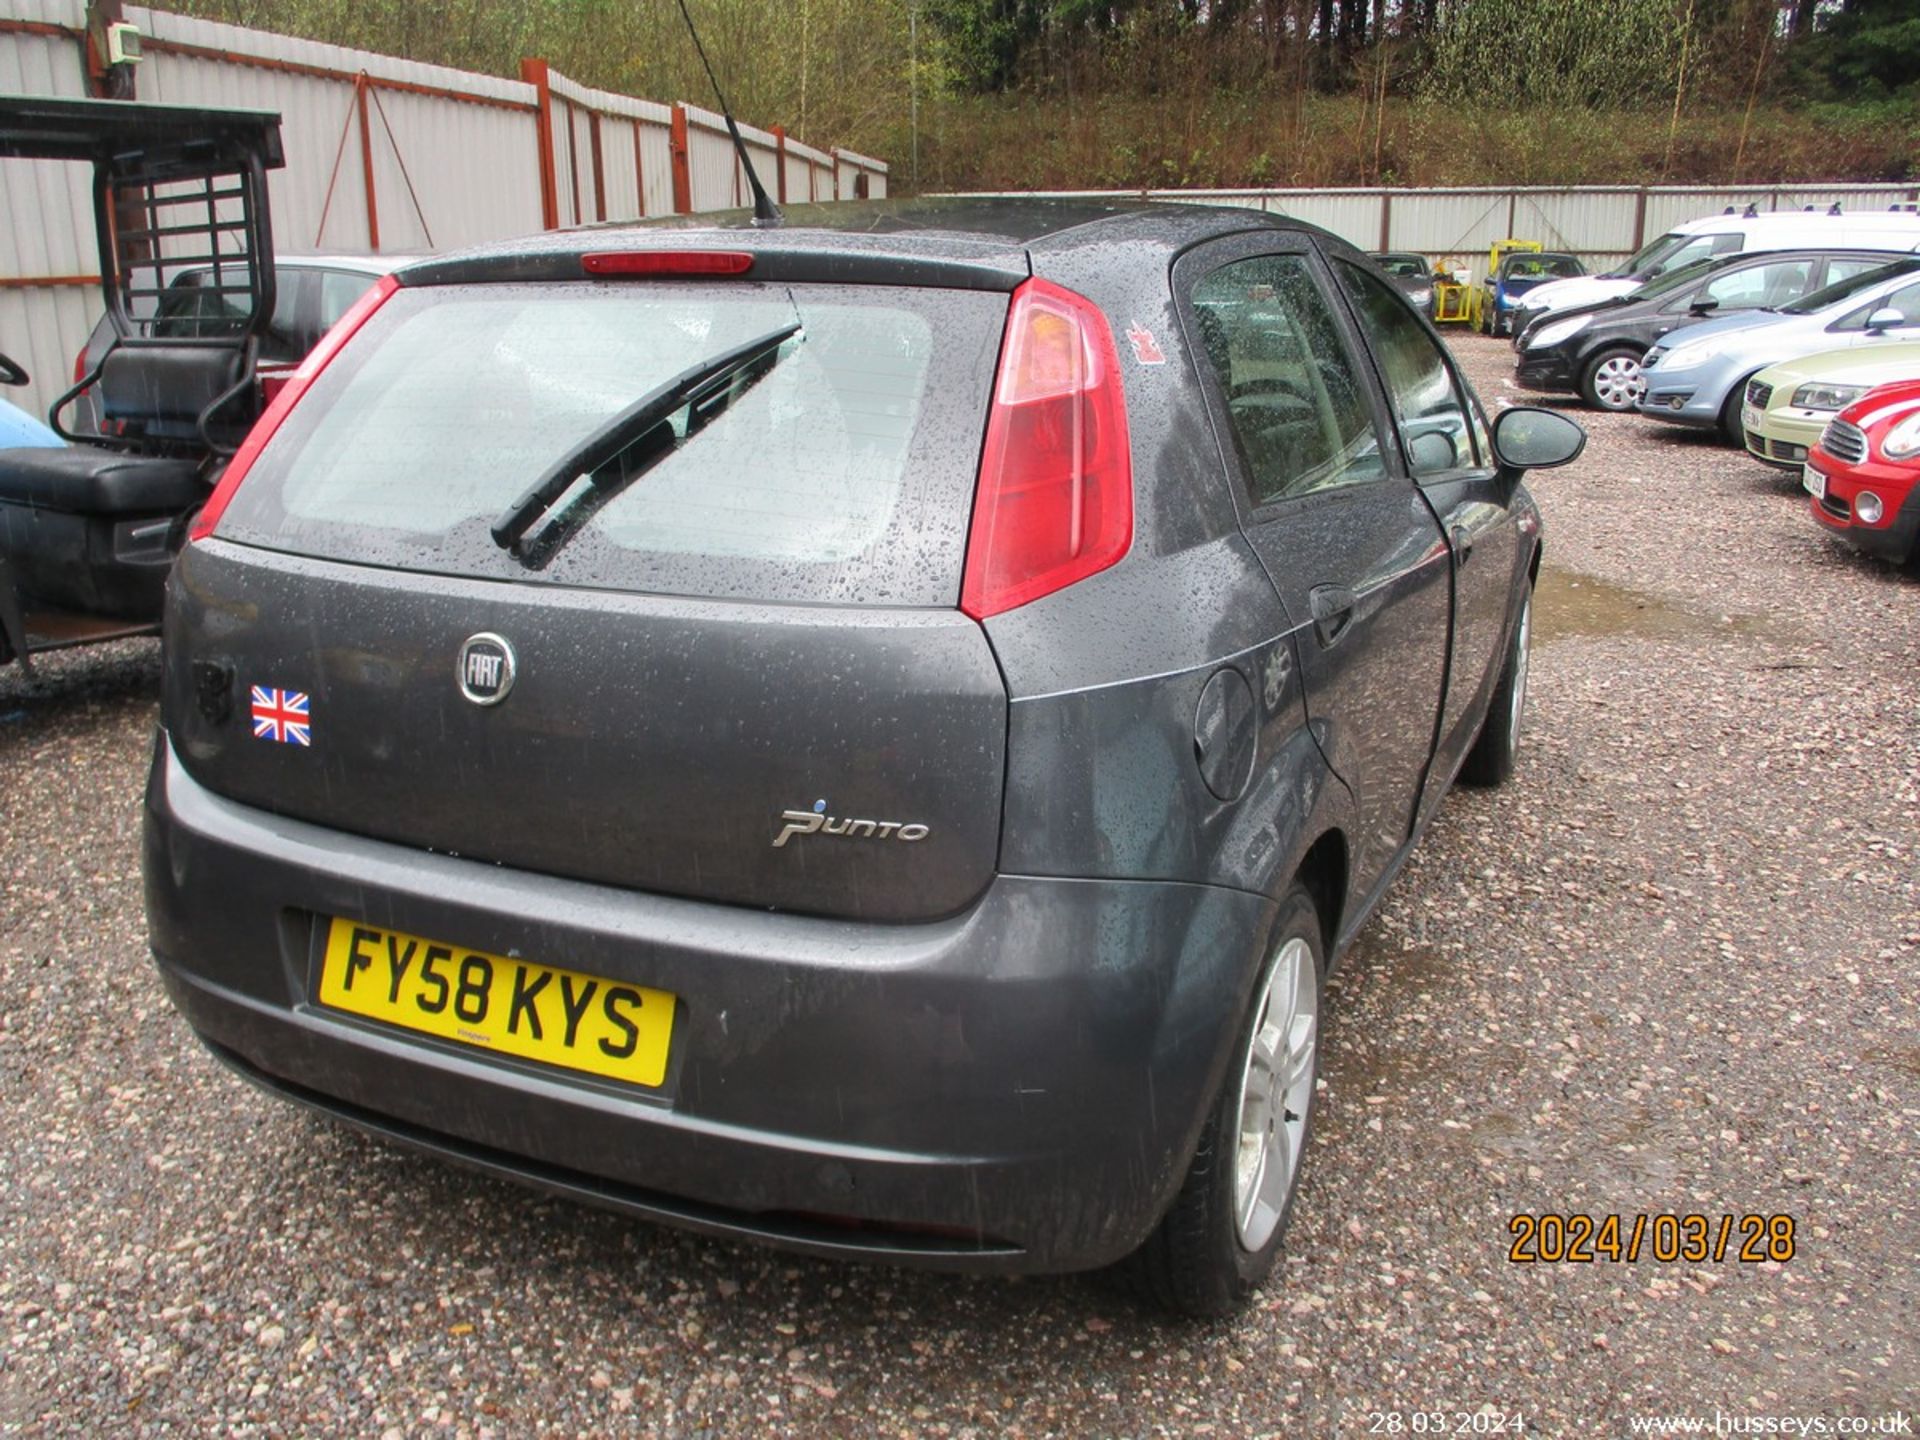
10 373
1528 439
1885 318
1703 306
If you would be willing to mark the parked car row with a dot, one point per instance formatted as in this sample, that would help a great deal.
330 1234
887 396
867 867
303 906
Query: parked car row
1791 335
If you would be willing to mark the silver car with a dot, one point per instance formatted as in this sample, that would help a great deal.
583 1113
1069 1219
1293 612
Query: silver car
1697 376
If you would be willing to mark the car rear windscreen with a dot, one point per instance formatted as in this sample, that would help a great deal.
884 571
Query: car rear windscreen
838 467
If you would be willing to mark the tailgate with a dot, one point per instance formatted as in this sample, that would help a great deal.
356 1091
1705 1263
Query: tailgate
655 743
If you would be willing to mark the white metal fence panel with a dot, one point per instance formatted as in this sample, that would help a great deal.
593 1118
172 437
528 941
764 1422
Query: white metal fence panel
656 164
450 173
470 161
620 146
1352 215
859 176
46 220
44 329
712 169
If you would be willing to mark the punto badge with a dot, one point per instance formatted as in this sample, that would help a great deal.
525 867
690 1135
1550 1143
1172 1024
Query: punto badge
486 669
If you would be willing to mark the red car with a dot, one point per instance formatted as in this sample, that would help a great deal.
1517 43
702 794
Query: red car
1864 475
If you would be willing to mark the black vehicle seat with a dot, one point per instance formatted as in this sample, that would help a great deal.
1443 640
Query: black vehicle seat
93 530
160 391
93 480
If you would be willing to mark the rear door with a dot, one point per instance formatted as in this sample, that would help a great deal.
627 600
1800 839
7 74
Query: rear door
726 664
1350 544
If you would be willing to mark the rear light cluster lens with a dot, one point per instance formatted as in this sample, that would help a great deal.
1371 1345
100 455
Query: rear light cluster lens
288 396
667 262
1055 498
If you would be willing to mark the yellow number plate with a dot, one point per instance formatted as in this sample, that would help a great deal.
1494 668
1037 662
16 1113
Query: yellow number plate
514 1007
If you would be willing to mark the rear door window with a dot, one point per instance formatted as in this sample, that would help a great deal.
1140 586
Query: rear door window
1752 286
1298 415
842 472
194 308
1838 270
1905 300
338 290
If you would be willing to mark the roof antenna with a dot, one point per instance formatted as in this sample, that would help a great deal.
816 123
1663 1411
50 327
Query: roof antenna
766 214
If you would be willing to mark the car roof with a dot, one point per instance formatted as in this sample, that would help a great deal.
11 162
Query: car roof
1895 220
987 242
365 264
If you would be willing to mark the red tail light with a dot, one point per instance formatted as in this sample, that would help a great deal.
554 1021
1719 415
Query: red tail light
1055 499
667 262
288 396
80 366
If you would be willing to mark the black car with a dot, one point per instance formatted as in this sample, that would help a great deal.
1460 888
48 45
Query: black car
865 735
1411 274
1595 350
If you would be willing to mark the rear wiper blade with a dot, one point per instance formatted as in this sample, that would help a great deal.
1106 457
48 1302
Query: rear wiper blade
689 387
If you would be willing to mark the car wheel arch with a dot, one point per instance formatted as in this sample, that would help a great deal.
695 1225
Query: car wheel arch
1324 870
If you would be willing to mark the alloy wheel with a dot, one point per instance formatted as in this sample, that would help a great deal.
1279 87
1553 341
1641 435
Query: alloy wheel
1619 382
1276 1092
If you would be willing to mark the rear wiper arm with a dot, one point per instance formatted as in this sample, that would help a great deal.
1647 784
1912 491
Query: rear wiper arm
689 387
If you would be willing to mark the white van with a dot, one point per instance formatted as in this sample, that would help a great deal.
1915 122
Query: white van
1731 234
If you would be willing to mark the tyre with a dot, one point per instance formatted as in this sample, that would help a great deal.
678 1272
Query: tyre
1613 380
1490 762
1217 1242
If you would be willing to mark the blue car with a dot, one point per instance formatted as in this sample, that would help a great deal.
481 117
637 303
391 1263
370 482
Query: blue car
1519 272
18 429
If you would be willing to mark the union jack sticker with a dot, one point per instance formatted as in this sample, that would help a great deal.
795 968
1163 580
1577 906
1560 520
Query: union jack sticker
282 716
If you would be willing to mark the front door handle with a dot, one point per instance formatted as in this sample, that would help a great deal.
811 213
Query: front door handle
1462 544
1332 607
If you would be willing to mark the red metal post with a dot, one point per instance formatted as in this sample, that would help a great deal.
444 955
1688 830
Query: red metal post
682 181
534 72
780 158
599 167
573 160
639 172
366 163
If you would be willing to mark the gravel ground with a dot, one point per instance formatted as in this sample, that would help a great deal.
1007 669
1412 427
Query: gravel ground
1669 969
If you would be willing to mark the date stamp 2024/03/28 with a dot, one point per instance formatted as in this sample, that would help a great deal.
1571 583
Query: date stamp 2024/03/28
1551 1239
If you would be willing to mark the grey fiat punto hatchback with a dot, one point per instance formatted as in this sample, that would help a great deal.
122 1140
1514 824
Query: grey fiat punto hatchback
865 735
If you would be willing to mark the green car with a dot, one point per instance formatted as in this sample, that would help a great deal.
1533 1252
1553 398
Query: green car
1787 405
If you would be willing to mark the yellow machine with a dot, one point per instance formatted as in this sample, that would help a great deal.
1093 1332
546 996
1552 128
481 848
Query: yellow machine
1452 285
1481 310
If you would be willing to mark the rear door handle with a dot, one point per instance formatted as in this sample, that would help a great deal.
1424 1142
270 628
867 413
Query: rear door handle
1332 611
1462 544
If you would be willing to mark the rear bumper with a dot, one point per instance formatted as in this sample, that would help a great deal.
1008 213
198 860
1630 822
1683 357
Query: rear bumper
1018 1088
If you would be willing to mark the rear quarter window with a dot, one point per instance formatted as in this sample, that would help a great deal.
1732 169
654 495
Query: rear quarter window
844 474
